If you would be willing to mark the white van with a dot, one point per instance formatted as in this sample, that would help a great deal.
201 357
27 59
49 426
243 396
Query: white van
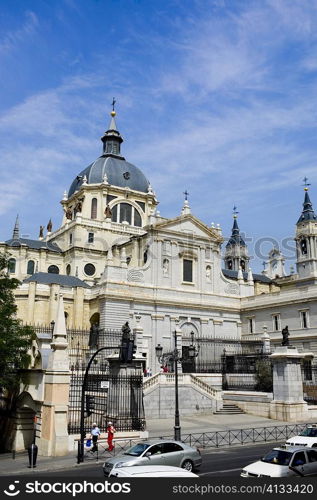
150 471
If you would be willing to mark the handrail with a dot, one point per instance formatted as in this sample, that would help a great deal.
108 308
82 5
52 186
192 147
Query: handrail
183 378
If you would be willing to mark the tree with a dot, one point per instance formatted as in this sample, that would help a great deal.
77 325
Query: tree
15 339
263 375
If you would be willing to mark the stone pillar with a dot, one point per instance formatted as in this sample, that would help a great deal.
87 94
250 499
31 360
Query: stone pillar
288 403
31 302
266 341
78 315
54 435
138 335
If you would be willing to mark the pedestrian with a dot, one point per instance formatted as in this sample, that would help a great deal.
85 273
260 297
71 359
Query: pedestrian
95 433
110 430
165 369
149 373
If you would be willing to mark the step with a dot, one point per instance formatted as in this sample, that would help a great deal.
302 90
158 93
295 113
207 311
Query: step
229 409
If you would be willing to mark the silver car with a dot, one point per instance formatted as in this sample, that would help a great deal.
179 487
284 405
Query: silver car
156 452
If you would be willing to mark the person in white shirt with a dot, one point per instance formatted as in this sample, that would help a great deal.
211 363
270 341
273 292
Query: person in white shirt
95 433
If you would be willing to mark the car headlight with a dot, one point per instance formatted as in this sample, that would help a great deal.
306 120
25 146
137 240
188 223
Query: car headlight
124 464
119 464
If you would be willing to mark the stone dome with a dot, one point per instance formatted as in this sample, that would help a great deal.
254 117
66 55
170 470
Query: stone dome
119 173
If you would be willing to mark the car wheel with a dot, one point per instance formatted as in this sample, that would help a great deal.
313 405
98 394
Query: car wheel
314 445
188 465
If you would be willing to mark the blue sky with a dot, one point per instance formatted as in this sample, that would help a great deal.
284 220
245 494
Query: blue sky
214 96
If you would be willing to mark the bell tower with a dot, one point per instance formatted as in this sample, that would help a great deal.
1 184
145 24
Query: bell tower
236 255
306 238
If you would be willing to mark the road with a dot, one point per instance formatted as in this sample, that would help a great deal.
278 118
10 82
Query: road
216 463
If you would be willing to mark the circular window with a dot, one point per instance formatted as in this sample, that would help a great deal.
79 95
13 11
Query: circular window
68 269
53 270
89 269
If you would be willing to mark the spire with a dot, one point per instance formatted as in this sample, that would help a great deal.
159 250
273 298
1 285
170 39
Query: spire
186 207
112 138
16 230
235 238
308 211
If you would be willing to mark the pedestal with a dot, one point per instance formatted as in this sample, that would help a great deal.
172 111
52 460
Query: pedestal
288 403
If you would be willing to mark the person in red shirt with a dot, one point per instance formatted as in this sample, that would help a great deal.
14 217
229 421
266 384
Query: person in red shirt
110 430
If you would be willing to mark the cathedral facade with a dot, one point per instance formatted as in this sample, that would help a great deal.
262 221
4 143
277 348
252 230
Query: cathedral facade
115 259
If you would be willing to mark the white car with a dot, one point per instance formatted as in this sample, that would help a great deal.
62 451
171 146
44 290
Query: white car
151 471
308 437
282 462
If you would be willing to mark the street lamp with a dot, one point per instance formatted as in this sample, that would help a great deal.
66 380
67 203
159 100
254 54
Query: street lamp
177 358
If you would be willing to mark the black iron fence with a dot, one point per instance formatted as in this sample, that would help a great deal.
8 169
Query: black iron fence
110 394
215 439
309 376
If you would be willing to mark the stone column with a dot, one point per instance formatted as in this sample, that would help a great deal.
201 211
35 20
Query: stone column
266 341
138 335
31 302
78 315
54 435
288 403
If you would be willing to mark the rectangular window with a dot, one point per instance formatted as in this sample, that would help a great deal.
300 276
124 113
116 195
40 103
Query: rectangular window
91 237
70 239
188 270
251 325
276 322
307 369
304 319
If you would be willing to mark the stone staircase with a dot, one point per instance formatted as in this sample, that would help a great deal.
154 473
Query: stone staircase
229 409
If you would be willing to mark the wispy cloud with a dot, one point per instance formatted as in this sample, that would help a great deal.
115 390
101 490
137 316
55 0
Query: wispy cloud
12 40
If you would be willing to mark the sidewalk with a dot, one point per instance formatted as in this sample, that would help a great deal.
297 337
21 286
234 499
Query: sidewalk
156 427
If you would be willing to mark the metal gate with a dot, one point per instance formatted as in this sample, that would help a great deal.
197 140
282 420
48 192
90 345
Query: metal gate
309 376
241 362
109 396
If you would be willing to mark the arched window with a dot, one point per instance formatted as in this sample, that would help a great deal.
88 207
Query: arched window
11 265
30 268
53 269
68 269
124 212
242 264
94 208
303 246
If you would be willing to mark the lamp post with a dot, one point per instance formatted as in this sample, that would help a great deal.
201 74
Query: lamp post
177 358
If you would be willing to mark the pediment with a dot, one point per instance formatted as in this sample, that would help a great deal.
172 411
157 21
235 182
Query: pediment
189 224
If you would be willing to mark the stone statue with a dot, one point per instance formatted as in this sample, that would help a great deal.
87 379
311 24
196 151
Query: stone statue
93 336
49 226
165 267
125 343
41 235
285 334
108 212
125 332
69 214
78 207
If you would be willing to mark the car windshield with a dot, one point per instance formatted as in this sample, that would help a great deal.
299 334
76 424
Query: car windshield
309 432
278 457
137 449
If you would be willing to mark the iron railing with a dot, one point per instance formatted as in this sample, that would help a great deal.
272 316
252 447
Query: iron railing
214 439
